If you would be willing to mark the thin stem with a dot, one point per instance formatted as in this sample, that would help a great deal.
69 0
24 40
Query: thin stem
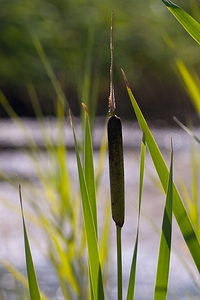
119 263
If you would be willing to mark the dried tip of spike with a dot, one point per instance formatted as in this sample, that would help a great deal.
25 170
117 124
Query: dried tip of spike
85 107
111 29
111 103
125 79
20 188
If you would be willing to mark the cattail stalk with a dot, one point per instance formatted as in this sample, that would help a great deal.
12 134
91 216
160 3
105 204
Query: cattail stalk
116 169
119 263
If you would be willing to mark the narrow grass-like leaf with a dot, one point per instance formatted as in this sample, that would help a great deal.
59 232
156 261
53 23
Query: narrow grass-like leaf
40 118
86 84
191 84
92 245
32 280
64 266
189 23
102 156
195 210
49 69
94 95
186 129
61 158
89 167
131 285
11 113
15 273
103 249
57 155
163 174
89 176
62 283
162 275
185 195
28 138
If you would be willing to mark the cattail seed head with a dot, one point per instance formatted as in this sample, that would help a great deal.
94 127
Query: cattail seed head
116 167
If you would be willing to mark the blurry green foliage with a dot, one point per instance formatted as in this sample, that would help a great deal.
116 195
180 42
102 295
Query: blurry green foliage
64 28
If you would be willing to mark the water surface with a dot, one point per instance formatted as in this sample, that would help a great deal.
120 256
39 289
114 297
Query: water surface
16 164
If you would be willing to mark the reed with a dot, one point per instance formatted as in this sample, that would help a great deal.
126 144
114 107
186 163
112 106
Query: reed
116 168
65 257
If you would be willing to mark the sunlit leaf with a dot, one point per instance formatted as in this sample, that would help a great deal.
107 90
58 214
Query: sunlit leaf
191 84
162 275
163 174
89 167
190 24
92 245
32 280
131 286
186 129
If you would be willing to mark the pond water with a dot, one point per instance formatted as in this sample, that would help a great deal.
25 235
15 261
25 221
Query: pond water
16 164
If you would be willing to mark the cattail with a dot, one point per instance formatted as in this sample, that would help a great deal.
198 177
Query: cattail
116 167
115 149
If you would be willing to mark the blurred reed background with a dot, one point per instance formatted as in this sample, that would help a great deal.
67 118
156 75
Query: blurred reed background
75 38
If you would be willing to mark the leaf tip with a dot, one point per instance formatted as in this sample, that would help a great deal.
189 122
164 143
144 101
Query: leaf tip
70 118
20 196
85 107
168 3
171 146
125 79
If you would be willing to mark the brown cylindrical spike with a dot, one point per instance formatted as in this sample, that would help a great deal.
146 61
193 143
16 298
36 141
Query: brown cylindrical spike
116 167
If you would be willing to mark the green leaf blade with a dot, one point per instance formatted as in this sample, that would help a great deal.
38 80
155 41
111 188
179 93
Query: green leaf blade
189 23
32 279
186 129
92 245
162 275
131 285
89 167
178 208
191 84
